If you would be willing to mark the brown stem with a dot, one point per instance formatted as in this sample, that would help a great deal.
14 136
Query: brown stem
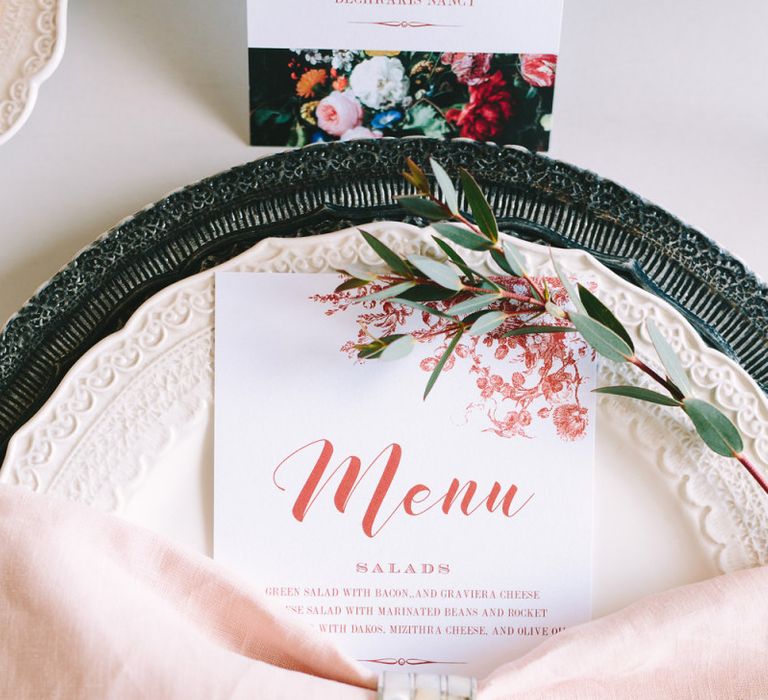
653 374
752 469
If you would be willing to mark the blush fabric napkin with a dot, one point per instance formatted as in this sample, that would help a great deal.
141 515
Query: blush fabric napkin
94 607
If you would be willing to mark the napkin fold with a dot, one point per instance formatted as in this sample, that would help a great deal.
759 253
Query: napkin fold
94 607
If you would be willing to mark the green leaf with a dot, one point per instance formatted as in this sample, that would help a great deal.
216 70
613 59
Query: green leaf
474 304
669 359
450 196
601 338
528 330
423 307
514 260
358 272
457 260
600 312
441 362
573 295
501 260
488 322
714 428
416 176
636 392
462 236
423 119
427 292
350 284
370 351
398 348
420 206
393 260
479 206
387 292
554 310
437 272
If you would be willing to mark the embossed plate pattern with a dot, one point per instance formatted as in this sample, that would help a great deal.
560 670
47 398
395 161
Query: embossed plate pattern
325 187
134 408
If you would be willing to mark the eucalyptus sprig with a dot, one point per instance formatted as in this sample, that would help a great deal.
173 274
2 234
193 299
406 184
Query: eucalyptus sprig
474 304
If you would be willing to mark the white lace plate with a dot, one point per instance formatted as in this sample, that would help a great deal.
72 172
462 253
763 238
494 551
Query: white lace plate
31 46
129 430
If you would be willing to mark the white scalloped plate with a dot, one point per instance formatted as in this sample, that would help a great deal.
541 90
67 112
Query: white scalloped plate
31 46
129 429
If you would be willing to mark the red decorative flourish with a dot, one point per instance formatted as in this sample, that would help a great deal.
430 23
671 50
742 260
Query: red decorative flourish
406 24
391 661
544 376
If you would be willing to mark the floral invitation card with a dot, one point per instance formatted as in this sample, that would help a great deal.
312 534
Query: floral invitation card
452 533
326 70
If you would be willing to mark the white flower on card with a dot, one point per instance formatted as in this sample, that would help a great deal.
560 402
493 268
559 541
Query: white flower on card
380 82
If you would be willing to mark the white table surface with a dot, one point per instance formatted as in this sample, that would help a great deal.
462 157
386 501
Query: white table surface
669 99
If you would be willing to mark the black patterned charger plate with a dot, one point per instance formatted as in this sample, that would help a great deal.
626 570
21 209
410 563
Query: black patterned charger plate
331 186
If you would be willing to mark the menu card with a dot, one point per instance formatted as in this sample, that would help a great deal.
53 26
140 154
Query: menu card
327 70
451 534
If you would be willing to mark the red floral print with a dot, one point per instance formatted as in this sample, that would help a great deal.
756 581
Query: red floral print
538 69
469 68
489 109
545 377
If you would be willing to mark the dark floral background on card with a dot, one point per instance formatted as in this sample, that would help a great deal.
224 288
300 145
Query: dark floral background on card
301 96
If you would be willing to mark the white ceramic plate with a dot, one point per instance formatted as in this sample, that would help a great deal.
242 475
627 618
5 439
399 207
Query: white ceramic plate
31 46
130 428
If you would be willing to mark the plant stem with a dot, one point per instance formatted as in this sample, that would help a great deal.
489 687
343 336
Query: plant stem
669 386
752 469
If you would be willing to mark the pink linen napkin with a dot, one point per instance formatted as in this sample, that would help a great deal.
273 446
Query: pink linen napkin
94 607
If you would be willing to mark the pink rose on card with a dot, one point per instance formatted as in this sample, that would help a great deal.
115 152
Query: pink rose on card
538 69
338 113
469 68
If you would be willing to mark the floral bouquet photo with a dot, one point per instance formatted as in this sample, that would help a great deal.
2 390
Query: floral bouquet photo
302 96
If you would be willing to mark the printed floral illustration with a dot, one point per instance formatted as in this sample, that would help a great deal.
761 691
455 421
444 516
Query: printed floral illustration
305 96
543 377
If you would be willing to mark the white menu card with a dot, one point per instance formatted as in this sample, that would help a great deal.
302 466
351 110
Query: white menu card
451 534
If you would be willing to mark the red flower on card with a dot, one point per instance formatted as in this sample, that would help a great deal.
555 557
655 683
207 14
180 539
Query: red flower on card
538 69
489 109
469 68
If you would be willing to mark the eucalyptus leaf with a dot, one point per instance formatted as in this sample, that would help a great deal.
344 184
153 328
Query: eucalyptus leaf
457 260
358 272
636 392
573 295
420 206
474 304
370 351
669 359
399 348
450 196
423 307
529 330
478 205
427 292
387 292
600 312
437 271
500 259
554 310
601 338
417 176
350 284
714 428
441 362
462 236
514 260
488 322
395 262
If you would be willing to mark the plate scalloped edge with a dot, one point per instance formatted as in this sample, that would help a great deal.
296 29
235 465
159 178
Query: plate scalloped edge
132 395
47 49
